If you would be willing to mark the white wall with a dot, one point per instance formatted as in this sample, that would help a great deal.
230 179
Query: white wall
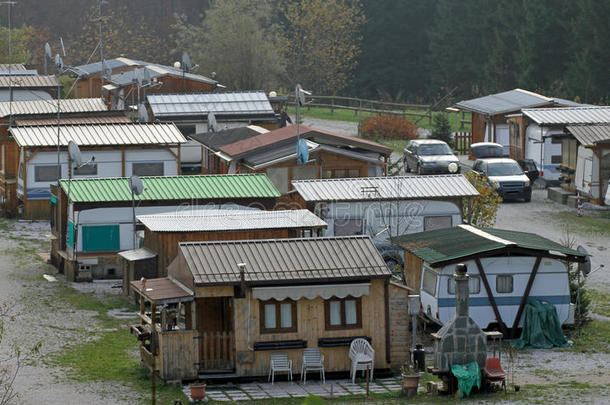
542 153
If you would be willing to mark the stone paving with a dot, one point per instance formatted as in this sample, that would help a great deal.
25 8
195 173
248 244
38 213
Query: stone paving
286 389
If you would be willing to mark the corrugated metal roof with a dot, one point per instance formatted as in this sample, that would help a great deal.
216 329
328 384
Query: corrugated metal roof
100 134
385 188
29 81
14 66
137 254
129 77
590 135
39 107
451 244
162 290
499 103
211 187
212 220
215 140
274 261
569 115
21 72
227 104
102 119
96 67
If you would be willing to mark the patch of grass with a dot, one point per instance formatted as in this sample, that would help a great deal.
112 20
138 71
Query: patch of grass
350 116
594 338
600 302
596 223
398 145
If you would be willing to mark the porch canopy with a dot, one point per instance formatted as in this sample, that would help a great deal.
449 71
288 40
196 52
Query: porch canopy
161 291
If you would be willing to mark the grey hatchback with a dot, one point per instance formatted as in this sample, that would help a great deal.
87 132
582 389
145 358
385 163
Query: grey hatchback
430 156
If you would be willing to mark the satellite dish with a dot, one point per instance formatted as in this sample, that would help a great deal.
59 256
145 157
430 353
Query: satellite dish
585 267
212 125
59 63
75 155
142 113
186 62
135 184
302 151
299 95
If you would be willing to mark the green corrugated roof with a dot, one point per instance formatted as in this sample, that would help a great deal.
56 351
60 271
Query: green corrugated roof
449 244
173 188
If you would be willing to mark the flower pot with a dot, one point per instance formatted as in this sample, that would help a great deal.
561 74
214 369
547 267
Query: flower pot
197 391
409 384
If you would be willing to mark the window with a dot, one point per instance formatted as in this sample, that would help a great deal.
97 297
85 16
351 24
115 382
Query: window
346 227
101 238
504 284
556 159
45 173
343 313
340 173
278 316
147 169
353 173
431 223
429 282
86 170
474 285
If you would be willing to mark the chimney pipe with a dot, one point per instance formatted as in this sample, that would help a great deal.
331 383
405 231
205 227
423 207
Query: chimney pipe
461 290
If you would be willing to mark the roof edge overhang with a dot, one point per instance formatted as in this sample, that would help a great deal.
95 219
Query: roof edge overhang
262 283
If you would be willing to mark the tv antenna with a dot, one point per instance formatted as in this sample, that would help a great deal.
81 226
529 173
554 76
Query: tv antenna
186 65
137 188
212 124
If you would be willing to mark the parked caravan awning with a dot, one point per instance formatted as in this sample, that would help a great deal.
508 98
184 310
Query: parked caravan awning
162 291
310 292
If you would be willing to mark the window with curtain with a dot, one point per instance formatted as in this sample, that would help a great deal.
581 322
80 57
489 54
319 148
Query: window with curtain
504 283
278 316
343 313
474 285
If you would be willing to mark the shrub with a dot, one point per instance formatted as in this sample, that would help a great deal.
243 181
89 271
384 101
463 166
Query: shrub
388 127
482 209
441 128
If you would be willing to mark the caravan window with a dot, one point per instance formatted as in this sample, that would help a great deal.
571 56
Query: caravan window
432 223
147 169
429 283
346 227
504 284
474 285
45 173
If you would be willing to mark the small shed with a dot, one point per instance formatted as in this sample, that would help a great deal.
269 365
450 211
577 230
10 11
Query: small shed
251 298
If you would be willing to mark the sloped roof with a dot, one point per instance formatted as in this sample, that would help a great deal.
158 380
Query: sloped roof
214 140
91 119
244 103
507 101
444 246
210 187
590 135
40 107
154 70
276 261
96 67
29 81
213 220
99 134
385 188
14 66
569 115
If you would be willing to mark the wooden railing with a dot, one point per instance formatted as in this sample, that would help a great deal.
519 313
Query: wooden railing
462 141
217 350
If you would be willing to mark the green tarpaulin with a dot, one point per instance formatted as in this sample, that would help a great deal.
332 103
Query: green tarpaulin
541 328
468 375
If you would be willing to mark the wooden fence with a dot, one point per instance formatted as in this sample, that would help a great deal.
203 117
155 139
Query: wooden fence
217 350
462 141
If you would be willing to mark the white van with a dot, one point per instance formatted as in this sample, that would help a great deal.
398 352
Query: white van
507 277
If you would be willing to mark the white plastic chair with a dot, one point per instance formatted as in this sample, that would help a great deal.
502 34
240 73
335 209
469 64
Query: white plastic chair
312 360
362 355
279 362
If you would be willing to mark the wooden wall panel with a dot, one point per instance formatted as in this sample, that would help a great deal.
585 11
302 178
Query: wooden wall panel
413 267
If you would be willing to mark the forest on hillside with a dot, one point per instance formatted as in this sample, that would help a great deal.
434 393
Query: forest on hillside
399 50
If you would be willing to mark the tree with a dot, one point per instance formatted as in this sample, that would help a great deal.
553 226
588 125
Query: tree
441 128
320 42
21 45
482 209
237 40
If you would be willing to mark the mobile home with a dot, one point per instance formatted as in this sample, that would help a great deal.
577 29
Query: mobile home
506 268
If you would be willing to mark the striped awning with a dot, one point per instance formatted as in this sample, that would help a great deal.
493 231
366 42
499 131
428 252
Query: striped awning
310 292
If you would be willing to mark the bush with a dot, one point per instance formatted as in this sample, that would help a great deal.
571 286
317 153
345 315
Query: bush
441 128
388 127
482 209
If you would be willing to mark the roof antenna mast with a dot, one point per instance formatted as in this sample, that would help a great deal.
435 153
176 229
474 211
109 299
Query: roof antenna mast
101 43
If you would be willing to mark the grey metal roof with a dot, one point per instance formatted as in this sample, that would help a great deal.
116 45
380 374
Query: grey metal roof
214 220
230 103
500 103
35 107
96 67
128 77
276 261
101 134
21 72
215 140
569 115
590 135
137 254
29 81
14 66
385 188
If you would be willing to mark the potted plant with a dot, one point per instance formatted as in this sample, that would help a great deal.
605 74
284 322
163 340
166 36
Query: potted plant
410 379
197 391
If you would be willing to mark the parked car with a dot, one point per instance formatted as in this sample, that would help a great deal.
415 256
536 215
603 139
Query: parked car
506 176
529 168
482 150
426 156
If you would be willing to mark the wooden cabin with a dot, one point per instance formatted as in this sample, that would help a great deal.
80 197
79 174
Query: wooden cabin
109 150
39 112
274 153
92 218
226 306
163 232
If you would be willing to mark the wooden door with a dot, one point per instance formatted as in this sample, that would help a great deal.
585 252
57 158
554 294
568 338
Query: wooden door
217 339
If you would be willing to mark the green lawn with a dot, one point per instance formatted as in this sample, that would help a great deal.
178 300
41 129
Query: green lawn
590 222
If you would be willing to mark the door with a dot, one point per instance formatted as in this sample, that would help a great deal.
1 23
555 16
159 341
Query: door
217 339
